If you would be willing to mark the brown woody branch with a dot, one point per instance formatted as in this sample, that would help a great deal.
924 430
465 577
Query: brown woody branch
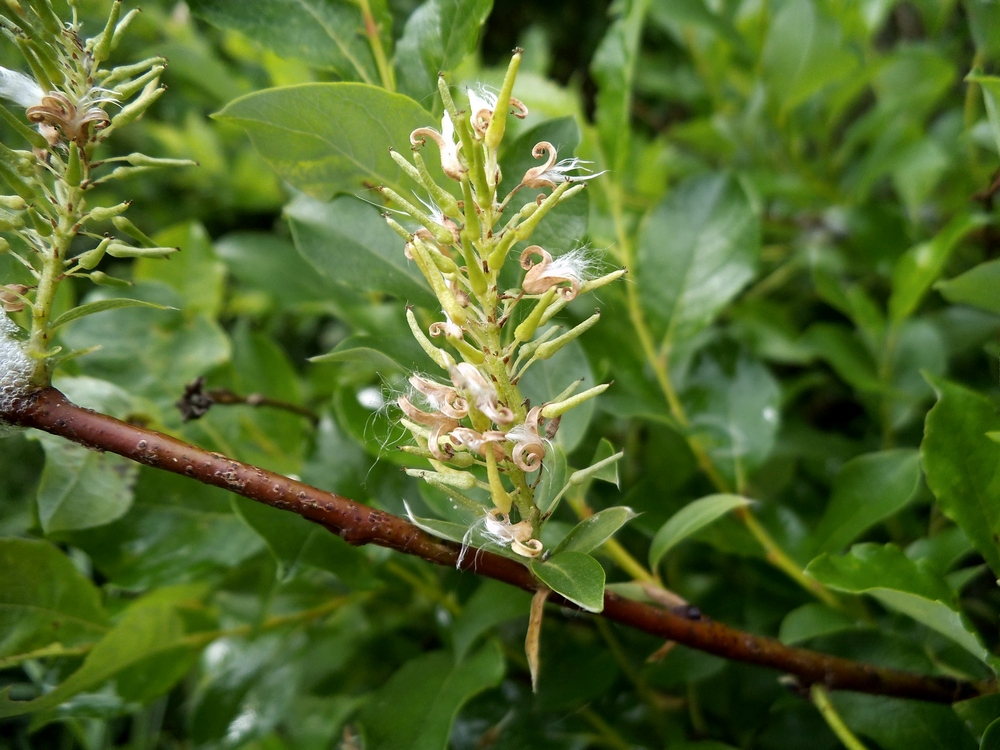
49 410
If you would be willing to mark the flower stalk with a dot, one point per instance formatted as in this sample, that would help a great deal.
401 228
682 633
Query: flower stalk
64 110
490 335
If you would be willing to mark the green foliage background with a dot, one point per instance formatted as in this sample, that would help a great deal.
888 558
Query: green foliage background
802 192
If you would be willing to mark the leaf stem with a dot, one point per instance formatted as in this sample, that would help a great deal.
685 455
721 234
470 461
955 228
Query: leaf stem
385 70
661 369
821 700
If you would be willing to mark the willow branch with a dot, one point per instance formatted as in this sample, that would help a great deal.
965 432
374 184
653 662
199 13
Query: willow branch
48 410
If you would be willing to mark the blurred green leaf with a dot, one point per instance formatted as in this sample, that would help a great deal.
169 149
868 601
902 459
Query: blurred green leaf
328 138
868 489
920 266
962 464
417 706
437 37
902 584
804 52
897 724
147 630
697 249
690 519
979 287
613 69
492 604
349 244
325 33
44 599
574 575
991 99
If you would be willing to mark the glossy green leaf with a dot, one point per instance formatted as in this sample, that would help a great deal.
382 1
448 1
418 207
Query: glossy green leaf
804 52
688 520
594 531
921 265
349 243
44 599
437 37
415 709
991 98
604 468
90 308
991 737
868 489
908 586
812 620
324 33
574 575
378 353
608 471
962 464
613 68
697 249
148 630
978 287
328 138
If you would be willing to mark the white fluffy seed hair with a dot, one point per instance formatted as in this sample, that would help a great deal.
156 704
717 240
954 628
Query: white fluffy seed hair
15 368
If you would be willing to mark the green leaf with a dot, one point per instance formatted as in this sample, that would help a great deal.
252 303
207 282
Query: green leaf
147 352
551 376
554 480
349 243
697 249
991 98
605 468
44 599
691 518
897 724
608 471
984 23
364 349
868 489
81 488
804 52
492 604
565 227
908 586
269 263
328 138
920 266
416 708
147 631
594 531
846 354
90 308
812 620
196 273
574 575
294 542
139 551
324 33
734 414
437 37
613 69
978 287
962 465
